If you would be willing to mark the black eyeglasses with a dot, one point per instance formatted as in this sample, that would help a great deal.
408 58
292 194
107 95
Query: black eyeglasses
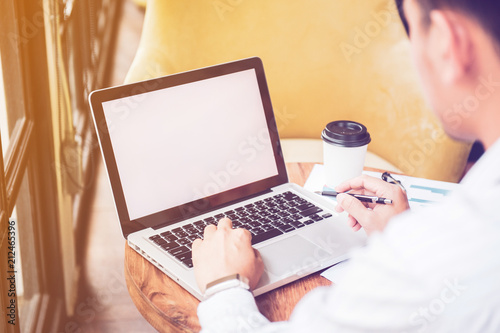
387 177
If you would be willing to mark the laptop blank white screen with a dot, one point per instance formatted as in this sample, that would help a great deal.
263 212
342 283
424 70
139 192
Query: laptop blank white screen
180 144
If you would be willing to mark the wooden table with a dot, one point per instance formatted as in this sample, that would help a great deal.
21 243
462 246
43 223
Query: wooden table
169 308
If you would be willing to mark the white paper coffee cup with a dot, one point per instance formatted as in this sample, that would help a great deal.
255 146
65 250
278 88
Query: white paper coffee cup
344 149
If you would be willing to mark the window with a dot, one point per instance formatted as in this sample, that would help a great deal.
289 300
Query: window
52 54
4 129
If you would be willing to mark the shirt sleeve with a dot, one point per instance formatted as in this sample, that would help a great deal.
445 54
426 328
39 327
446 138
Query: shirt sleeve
231 310
235 310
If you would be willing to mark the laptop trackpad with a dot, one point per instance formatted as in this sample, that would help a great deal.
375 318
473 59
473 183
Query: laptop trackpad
290 256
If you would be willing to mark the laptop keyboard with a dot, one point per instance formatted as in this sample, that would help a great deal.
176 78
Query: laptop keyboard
264 219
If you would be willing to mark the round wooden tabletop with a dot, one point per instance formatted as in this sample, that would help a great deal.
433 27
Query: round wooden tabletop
170 308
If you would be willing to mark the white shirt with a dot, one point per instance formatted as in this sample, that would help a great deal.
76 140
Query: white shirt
437 270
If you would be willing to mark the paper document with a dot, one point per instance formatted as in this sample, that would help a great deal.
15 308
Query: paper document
336 272
421 193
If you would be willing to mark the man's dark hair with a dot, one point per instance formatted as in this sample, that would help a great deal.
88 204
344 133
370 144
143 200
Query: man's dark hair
486 12
399 5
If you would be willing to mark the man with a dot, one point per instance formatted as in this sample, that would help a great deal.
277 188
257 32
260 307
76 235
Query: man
438 270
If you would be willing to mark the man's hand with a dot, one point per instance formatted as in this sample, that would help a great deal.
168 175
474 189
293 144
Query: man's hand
372 217
225 251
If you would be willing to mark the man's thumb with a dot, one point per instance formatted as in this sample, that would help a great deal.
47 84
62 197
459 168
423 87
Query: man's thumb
353 206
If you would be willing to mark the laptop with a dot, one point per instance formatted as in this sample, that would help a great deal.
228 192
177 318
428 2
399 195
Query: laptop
183 151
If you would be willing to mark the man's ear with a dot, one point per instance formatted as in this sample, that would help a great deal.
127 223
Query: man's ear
450 45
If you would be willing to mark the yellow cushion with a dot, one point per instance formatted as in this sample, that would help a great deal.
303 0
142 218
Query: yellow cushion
140 3
324 60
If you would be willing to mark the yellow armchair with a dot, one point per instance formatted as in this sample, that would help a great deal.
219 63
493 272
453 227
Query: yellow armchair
324 61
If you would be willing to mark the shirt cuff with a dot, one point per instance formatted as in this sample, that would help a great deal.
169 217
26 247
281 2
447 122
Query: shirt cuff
230 310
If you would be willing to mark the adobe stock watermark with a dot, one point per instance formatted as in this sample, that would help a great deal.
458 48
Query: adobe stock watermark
222 7
28 28
87 309
248 150
243 319
70 164
426 315
284 117
422 149
456 114
253 321
11 306
453 117
365 34
327 246
121 109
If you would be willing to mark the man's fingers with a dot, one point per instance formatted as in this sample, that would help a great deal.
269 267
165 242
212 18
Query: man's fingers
353 206
257 254
258 268
338 208
225 223
196 243
243 234
209 231
351 221
371 184
195 247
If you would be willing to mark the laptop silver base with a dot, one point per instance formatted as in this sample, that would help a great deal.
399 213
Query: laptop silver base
286 258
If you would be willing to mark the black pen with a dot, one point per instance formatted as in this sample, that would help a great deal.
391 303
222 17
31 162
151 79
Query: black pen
360 197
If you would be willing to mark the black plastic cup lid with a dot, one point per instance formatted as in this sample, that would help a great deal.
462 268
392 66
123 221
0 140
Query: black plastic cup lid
345 133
